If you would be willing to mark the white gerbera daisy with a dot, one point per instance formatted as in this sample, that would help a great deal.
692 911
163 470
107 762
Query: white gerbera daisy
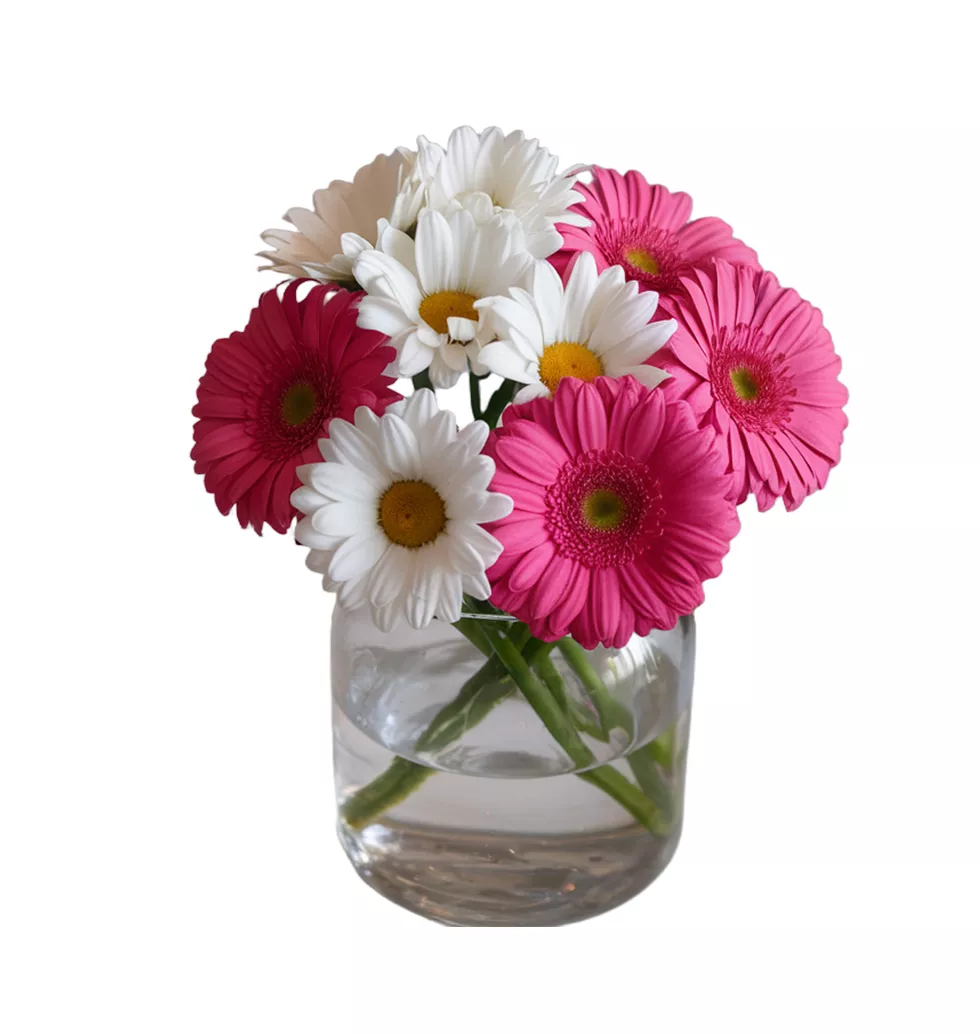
595 325
389 188
394 512
517 174
422 292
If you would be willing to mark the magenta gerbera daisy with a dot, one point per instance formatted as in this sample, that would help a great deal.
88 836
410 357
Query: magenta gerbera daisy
269 392
757 364
645 229
622 508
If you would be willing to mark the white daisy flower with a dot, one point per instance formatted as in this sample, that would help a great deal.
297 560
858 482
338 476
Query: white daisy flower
595 325
389 188
517 174
394 512
422 293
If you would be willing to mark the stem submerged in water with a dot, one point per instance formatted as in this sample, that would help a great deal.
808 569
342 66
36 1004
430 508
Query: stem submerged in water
515 659
478 696
557 721
396 782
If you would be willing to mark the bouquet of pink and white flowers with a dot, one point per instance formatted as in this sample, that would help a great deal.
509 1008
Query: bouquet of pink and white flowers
634 375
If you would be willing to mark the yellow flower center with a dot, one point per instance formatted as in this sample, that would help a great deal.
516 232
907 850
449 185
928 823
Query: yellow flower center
642 259
568 359
412 513
745 385
298 404
603 509
437 308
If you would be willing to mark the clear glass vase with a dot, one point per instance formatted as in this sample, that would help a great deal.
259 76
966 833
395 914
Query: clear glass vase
457 801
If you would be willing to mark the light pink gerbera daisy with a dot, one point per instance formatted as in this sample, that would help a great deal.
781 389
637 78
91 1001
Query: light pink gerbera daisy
646 230
622 508
758 366
269 392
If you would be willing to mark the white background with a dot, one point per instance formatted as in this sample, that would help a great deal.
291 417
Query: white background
166 844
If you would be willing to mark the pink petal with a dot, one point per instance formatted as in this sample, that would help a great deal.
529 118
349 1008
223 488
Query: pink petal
531 567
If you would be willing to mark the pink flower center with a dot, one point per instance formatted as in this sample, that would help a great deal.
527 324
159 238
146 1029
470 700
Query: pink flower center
603 509
291 411
750 381
646 253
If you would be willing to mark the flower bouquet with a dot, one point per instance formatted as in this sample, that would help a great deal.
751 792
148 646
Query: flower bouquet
513 640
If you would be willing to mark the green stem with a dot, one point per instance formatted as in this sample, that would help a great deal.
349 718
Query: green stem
394 784
470 706
561 727
583 718
643 762
422 380
634 800
555 718
646 771
612 713
498 402
476 699
475 396
663 747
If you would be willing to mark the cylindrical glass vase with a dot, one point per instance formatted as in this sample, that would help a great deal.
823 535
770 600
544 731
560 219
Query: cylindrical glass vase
458 803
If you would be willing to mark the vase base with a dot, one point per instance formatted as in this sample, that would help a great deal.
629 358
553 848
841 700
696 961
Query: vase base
497 879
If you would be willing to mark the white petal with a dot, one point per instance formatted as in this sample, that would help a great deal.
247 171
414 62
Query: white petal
434 252
546 290
464 558
506 360
382 314
423 596
536 390
461 329
474 352
357 555
650 339
476 586
343 519
383 276
387 580
450 605
474 436
544 243
578 293
413 356
341 483
436 435
417 409
357 449
480 507
399 447
622 318
353 244
398 245
319 560
482 541
429 337
307 499
648 376
307 535
611 281
387 617
441 373
515 319
351 594
369 424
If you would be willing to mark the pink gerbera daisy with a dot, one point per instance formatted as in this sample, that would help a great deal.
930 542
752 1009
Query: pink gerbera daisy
757 364
645 229
270 391
622 508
